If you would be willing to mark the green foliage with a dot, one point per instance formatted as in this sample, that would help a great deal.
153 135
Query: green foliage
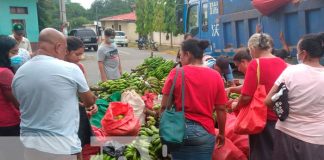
105 8
78 22
158 22
74 10
169 16
49 14
140 17
44 18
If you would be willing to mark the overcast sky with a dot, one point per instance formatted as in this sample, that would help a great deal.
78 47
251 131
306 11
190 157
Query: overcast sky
85 3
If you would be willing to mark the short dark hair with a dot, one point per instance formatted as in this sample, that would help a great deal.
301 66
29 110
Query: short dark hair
74 43
242 54
195 47
6 44
187 35
109 32
281 53
313 44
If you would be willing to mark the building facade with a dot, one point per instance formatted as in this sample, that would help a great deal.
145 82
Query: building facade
123 22
19 11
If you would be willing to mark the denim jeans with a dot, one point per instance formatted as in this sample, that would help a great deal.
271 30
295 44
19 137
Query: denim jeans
198 144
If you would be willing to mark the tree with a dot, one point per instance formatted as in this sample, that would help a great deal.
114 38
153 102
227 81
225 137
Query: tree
104 8
78 22
48 14
44 17
140 17
158 22
74 10
149 16
170 18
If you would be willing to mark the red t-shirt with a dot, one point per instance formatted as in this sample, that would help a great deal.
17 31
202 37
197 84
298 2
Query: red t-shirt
9 115
204 89
270 70
82 68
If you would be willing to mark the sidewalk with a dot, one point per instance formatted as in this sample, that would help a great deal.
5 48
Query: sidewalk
163 48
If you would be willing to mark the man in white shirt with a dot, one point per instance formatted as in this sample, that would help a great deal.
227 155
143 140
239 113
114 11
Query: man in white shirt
18 31
47 89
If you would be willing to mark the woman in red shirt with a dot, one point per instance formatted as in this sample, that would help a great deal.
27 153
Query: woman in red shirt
9 112
261 145
204 93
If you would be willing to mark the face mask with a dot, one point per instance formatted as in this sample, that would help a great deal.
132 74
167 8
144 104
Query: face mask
109 40
299 60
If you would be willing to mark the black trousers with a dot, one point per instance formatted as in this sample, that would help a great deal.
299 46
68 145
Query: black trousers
287 147
85 130
261 145
10 131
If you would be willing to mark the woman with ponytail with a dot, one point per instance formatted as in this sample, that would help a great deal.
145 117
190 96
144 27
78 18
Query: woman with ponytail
204 93
301 135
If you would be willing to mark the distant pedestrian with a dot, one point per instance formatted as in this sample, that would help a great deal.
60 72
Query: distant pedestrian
18 31
301 135
9 113
47 89
108 57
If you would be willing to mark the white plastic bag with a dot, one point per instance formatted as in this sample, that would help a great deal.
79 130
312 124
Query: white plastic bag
135 100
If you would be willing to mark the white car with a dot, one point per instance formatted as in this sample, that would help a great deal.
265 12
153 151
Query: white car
121 38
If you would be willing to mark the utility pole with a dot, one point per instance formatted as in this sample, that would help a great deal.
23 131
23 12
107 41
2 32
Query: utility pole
63 17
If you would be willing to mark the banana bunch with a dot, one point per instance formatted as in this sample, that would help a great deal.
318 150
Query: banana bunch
153 148
163 70
102 157
152 85
112 86
154 67
131 153
123 84
149 130
136 84
234 96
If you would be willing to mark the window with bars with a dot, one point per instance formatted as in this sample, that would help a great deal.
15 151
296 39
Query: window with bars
18 10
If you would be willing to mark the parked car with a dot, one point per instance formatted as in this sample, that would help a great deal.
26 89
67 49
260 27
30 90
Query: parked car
121 38
88 37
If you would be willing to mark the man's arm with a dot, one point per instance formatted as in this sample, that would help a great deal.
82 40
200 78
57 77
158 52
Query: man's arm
221 119
88 99
284 43
102 71
234 90
120 67
230 77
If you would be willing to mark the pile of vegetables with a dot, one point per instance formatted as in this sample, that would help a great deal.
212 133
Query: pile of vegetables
147 77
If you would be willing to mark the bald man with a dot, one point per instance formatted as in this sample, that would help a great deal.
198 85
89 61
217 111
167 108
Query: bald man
47 89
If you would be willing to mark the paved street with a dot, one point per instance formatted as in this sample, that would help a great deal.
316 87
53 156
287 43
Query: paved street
130 58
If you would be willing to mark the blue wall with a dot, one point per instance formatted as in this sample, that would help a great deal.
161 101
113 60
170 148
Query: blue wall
31 19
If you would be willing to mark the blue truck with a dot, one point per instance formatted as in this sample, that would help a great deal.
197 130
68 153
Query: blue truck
228 24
